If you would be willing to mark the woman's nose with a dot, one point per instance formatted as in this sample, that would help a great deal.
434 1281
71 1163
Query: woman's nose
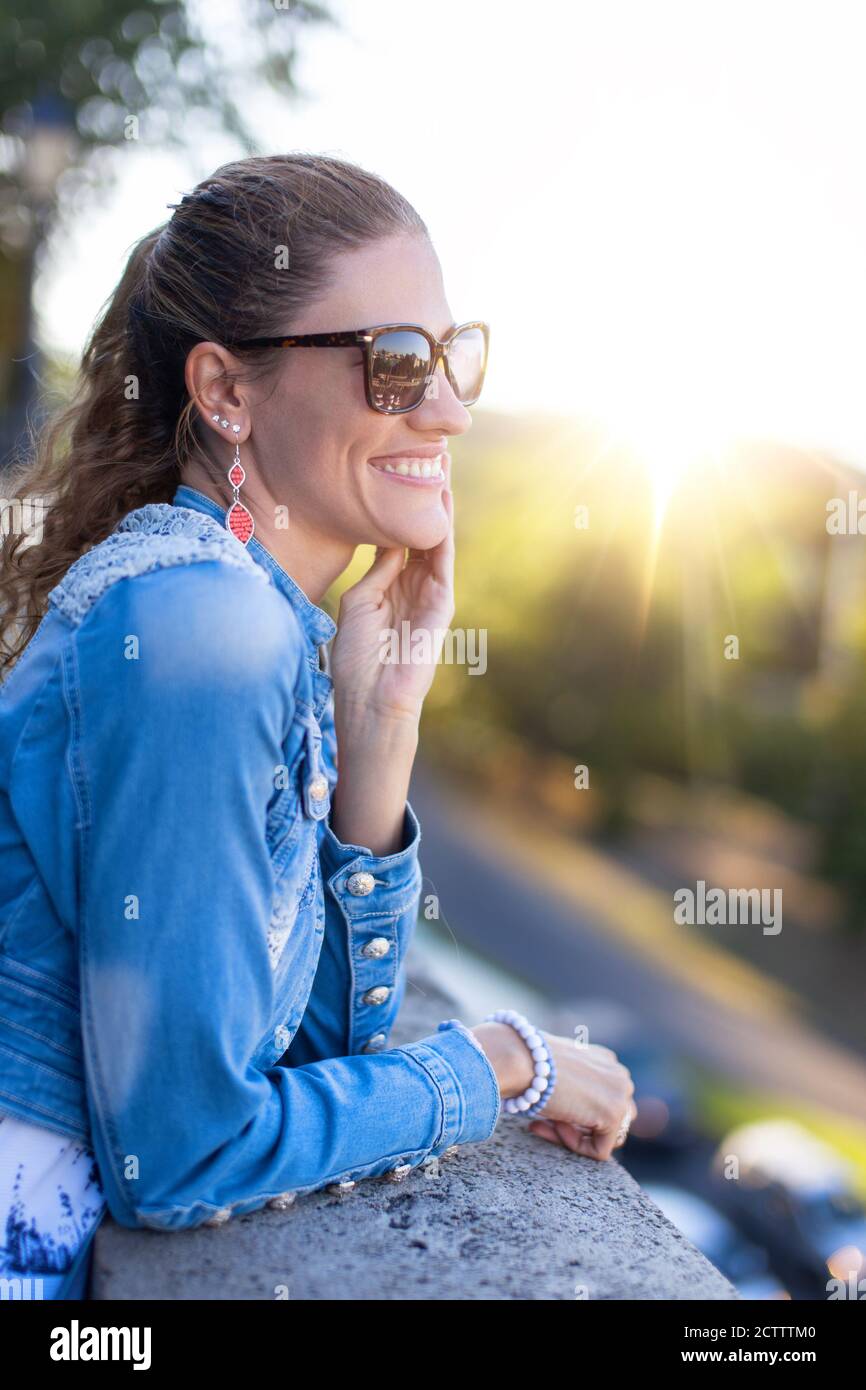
440 409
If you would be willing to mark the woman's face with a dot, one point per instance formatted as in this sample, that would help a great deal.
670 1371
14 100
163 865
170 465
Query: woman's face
319 448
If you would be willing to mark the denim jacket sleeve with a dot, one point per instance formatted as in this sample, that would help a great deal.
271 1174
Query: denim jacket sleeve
172 756
366 936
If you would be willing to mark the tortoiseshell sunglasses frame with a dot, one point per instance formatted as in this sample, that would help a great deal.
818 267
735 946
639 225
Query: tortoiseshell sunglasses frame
365 338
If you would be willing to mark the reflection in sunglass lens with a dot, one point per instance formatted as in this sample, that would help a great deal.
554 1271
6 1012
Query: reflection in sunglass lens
466 353
400 368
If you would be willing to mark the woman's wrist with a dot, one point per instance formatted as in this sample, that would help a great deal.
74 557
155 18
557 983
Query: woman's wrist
368 726
374 768
534 1097
508 1055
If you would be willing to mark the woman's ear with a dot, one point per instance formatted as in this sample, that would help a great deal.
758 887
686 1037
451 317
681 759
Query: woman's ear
210 377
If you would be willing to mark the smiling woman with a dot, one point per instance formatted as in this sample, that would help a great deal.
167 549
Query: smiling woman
203 928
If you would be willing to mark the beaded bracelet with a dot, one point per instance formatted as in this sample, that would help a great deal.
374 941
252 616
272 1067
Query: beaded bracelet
540 1088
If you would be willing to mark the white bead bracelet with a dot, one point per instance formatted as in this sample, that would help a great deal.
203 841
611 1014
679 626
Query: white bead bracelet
540 1088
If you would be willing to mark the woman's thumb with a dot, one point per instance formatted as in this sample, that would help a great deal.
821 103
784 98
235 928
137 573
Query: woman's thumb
386 565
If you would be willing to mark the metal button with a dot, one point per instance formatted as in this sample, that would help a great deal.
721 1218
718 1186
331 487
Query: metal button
379 946
283 1202
377 995
219 1218
359 885
399 1173
376 1043
318 787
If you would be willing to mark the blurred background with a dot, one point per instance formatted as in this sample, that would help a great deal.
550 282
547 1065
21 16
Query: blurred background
660 211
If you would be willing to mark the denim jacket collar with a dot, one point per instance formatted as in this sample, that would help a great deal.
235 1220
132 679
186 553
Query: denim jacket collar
317 625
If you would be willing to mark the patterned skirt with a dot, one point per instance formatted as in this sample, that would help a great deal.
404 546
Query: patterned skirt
51 1202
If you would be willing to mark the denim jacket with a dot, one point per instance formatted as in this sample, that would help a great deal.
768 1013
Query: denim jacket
196 976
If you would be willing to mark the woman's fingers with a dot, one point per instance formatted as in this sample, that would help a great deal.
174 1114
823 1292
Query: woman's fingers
567 1135
596 1143
385 568
440 558
600 1144
590 1143
632 1112
545 1129
443 555
607 1140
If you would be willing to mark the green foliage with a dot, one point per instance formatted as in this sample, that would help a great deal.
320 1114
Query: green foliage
90 75
108 59
606 645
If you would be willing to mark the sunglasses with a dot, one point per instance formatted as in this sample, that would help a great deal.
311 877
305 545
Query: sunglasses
401 359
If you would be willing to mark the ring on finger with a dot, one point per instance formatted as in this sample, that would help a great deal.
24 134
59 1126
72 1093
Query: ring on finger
623 1130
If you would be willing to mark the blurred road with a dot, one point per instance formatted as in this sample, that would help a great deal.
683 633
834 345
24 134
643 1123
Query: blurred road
576 924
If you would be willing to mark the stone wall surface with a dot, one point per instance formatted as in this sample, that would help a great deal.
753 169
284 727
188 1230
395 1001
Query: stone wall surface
512 1218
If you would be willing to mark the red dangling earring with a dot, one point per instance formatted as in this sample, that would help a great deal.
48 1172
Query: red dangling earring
238 519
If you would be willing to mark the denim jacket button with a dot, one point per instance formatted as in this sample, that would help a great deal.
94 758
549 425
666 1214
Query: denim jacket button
359 885
318 788
379 946
377 995
317 800
376 1043
219 1218
283 1202
399 1173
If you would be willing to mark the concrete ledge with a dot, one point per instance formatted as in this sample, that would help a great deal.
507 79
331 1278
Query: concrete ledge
513 1218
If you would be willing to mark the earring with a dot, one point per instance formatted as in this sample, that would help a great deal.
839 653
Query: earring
238 519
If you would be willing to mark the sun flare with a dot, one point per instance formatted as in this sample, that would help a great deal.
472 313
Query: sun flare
669 445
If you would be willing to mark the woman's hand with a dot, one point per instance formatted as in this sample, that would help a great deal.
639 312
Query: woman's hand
420 593
592 1098
377 704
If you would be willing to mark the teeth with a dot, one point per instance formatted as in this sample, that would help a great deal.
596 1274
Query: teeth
415 468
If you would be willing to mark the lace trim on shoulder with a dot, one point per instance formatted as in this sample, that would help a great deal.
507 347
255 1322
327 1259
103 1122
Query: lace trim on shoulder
156 536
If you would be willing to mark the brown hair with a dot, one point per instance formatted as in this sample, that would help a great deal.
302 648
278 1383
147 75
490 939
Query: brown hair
211 273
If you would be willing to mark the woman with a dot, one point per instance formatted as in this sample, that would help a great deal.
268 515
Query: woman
203 926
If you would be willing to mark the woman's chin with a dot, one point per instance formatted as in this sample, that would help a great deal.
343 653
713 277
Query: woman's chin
420 532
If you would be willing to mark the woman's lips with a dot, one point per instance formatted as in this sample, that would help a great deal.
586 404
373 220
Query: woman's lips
408 469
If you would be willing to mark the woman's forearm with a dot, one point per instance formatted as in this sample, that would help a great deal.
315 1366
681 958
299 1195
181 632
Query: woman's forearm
375 754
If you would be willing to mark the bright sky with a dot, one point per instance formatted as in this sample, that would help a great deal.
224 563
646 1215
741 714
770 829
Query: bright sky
661 208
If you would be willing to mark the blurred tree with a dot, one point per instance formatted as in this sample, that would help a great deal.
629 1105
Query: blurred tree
78 77
606 643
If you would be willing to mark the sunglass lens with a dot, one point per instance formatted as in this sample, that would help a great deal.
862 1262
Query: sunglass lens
400 368
467 354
